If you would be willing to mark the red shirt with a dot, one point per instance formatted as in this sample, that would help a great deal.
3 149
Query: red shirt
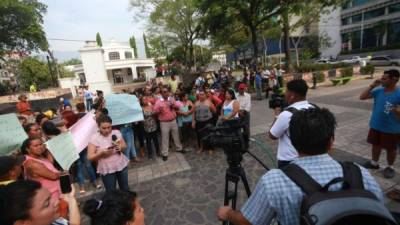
70 118
24 108
165 110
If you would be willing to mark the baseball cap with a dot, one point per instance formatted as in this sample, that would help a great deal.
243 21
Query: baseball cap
242 86
8 162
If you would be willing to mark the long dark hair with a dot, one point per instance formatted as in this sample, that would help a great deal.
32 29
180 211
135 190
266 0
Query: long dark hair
16 200
116 208
25 145
232 93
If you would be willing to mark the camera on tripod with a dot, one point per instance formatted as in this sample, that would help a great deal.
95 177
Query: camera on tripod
277 99
230 137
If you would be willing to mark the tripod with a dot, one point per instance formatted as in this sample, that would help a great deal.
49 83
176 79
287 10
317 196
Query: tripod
234 174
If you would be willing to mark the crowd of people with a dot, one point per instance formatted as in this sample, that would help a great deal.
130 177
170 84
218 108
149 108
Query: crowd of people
183 115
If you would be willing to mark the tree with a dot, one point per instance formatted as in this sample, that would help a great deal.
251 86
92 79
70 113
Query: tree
33 71
251 14
308 13
146 47
21 26
132 43
98 40
73 61
176 20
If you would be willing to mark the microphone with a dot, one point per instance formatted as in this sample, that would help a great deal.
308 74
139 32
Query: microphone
115 141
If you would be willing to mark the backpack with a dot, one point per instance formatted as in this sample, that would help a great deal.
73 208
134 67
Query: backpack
351 205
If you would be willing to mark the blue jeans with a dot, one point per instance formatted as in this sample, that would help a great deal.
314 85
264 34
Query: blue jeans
81 163
127 134
110 180
89 104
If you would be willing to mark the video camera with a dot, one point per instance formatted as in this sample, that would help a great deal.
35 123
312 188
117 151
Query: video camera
230 136
277 99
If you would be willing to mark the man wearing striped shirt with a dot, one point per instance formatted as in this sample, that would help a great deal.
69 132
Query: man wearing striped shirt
276 196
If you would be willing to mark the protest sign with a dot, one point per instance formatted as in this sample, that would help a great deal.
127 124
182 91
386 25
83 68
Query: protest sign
11 133
63 149
123 108
82 130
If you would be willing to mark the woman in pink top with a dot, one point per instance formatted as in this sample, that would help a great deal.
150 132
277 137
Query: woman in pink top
39 167
106 148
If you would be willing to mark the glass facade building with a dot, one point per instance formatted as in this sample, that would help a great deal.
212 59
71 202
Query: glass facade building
370 24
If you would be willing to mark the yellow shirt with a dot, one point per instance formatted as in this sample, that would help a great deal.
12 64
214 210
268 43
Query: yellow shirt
174 85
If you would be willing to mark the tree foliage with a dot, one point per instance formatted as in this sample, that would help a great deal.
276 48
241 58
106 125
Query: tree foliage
33 71
98 39
132 43
73 61
146 47
176 20
21 26
248 16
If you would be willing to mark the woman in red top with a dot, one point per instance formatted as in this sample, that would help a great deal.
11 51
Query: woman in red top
23 106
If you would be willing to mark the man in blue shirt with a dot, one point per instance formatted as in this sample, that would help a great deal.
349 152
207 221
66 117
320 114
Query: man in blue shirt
312 133
384 130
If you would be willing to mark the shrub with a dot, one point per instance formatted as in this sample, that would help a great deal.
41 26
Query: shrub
367 70
335 81
346 80
346 72
311 67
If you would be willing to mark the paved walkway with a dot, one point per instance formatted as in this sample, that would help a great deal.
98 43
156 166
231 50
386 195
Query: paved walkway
188 189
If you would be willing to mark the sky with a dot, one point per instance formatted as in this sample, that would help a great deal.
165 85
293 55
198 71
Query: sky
82 19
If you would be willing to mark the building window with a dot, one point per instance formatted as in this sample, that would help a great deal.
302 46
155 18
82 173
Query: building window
356 18
394 8
346 21
393 33
118 78
113 55
355 39
374 13
360 2
128 55
370 38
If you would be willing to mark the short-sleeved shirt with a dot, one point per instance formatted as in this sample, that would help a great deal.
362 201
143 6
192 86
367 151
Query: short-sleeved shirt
276 196
24 108
286 151
88 94
165 110
383 119
113 163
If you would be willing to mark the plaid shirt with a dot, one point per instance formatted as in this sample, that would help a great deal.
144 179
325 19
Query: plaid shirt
277 196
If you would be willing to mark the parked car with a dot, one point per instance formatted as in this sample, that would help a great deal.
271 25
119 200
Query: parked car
384 61
356 60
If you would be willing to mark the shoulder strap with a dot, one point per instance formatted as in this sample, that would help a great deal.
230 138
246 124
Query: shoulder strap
352 175
300 177
313 104
291 109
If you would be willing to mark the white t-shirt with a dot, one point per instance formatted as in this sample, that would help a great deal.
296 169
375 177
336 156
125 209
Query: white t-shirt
286 151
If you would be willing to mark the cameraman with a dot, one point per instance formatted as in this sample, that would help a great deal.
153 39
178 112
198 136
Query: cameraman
276 196
295 97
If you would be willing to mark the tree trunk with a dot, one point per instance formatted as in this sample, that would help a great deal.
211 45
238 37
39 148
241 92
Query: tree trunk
54 62
286 42
190 64
253 31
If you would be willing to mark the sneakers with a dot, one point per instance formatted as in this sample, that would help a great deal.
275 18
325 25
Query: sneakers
388 172
164 158
369 165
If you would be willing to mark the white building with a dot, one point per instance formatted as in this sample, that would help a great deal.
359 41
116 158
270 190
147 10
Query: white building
110 68
220 56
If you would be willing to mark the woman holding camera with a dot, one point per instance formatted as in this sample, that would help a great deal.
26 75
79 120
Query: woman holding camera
106 148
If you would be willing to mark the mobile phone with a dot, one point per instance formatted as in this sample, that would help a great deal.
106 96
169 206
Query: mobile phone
65 183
